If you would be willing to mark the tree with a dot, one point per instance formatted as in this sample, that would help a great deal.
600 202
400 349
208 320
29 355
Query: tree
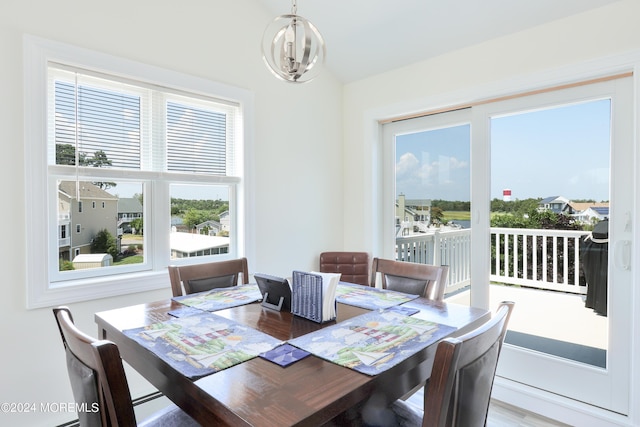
64 265
99 160
138 225
104 243
66 155
194 217
437 215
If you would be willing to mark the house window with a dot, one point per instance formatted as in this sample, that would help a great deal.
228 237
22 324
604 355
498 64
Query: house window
128 135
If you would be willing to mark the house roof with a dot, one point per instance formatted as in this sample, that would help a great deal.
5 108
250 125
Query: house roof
209 223
87 191
91 257
601 210
192 242
552 199
129 204
582 206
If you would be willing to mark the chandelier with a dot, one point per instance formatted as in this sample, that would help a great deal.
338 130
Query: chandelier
293 48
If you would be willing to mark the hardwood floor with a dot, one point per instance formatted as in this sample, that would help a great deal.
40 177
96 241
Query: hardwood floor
503 415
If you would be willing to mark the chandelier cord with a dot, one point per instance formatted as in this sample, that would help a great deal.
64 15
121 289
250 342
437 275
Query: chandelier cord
294 7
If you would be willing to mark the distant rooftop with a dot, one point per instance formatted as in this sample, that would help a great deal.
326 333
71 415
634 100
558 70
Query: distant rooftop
192 242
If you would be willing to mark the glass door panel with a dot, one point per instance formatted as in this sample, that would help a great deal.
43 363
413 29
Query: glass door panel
550 188
431 194
558 166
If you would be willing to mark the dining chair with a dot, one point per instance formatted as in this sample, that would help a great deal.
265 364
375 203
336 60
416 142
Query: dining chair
354 267
99 383
428 281
203 277
459 390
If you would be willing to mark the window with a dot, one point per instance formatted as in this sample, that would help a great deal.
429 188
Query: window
163 154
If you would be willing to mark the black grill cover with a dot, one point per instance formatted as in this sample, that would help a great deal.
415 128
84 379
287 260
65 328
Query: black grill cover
595 263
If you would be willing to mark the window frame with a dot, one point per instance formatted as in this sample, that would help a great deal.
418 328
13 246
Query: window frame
40 238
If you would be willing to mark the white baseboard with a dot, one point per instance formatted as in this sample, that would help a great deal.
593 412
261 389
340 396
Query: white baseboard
556 407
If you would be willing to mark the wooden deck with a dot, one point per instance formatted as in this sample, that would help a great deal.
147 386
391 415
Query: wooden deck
554 315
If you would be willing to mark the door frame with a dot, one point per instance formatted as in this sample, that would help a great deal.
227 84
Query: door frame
608 388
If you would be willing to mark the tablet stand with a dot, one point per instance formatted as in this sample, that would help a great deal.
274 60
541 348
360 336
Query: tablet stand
268 305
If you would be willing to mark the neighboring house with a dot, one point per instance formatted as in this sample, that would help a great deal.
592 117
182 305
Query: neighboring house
210 228
177 224
412 213
225 222
79 220
554 204
588 213
83 261
129 208
185 245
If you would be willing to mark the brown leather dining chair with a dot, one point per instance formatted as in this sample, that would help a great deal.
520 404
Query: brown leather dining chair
354 267
99 383
425 280
459 390
203 277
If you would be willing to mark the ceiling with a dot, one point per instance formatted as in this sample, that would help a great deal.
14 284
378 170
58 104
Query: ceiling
367 37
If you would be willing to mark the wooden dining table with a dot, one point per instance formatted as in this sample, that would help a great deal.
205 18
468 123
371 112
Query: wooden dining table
309 392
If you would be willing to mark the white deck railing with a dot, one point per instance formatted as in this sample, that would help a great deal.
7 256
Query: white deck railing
554 264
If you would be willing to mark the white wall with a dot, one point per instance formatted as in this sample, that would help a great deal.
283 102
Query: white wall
560 50
461 75
297 154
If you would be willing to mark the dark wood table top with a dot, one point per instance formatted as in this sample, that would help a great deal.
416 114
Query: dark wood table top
260 393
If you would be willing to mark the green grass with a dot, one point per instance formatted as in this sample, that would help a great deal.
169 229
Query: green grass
135 259
464 215
456 215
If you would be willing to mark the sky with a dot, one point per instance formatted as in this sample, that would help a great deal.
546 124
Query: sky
563 151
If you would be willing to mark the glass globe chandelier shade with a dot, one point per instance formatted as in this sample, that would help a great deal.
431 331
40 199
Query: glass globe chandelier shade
293 48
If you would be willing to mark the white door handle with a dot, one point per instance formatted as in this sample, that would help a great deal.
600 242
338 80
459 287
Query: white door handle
622 254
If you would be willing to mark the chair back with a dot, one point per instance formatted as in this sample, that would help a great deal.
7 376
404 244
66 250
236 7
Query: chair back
97 376
203 277
354 267
428 281
459 390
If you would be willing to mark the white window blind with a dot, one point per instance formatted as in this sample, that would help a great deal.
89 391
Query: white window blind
105 121
110 123
196 139
116 129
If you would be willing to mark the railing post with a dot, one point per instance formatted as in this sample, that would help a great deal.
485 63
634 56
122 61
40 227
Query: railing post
437 248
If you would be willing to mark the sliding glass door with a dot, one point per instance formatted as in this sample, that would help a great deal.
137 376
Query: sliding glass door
565 158
543 183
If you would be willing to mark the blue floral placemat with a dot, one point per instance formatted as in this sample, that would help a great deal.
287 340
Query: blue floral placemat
221 298
370 298
372 342
201 344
